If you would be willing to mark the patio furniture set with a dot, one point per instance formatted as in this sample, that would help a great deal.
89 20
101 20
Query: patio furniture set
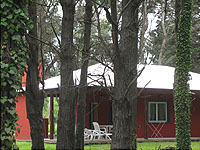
97 134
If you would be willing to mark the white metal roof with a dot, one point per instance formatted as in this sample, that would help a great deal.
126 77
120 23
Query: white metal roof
159 77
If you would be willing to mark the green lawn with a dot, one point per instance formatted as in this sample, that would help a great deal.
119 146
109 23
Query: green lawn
141 146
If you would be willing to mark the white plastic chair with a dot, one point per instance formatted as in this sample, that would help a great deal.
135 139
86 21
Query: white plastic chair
100 133
88 134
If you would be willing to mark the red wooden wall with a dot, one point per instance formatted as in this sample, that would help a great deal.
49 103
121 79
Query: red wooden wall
104 113
23 121
167 130
104 107
195 117
21 111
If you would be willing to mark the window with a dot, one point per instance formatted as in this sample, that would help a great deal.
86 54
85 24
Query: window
157 112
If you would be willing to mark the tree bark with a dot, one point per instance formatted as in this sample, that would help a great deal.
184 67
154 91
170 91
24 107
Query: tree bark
83 79
160 57
177 13
125 70
66 116
142 31
34 97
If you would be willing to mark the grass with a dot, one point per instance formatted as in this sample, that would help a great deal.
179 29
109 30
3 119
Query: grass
140 146
156 145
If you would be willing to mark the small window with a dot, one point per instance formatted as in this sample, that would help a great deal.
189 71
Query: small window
157 112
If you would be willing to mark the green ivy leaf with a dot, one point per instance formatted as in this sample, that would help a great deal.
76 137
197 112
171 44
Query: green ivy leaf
12 26
10 16
4 23
13 68
3 4
30 26
3 65
3 83
5 12
3 99
3 19
10 100
15 86
13 93
23 64
10 81
16 11
23 15
5 35
12 112
18 130
8 130
16 37
12 72
17 117
18 124
15 147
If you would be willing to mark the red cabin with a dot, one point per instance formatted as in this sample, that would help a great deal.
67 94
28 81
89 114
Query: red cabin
155 108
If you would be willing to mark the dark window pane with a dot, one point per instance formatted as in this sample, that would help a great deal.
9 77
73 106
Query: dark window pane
162 112
152 112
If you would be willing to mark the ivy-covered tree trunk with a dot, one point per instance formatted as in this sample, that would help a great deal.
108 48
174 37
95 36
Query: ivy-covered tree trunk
34 97
182 94
9 77
66 115
14 23
83 78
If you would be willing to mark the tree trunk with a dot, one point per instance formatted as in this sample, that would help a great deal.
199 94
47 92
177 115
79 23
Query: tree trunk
177 13
142 31
83 79
164 33
182 94
66 116
125 88
8 92
34 97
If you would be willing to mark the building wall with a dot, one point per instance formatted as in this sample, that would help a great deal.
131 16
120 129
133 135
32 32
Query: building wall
153 130
102 99
195 117
21 111
23 121
104 114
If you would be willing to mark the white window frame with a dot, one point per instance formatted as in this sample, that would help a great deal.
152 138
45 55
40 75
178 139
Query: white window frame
157 121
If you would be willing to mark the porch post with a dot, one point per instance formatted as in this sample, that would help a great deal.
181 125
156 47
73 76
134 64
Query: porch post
145 118
51 117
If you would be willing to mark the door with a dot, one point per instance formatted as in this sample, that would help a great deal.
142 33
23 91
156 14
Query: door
94 113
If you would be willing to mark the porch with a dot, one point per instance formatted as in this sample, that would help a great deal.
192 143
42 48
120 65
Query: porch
172 139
